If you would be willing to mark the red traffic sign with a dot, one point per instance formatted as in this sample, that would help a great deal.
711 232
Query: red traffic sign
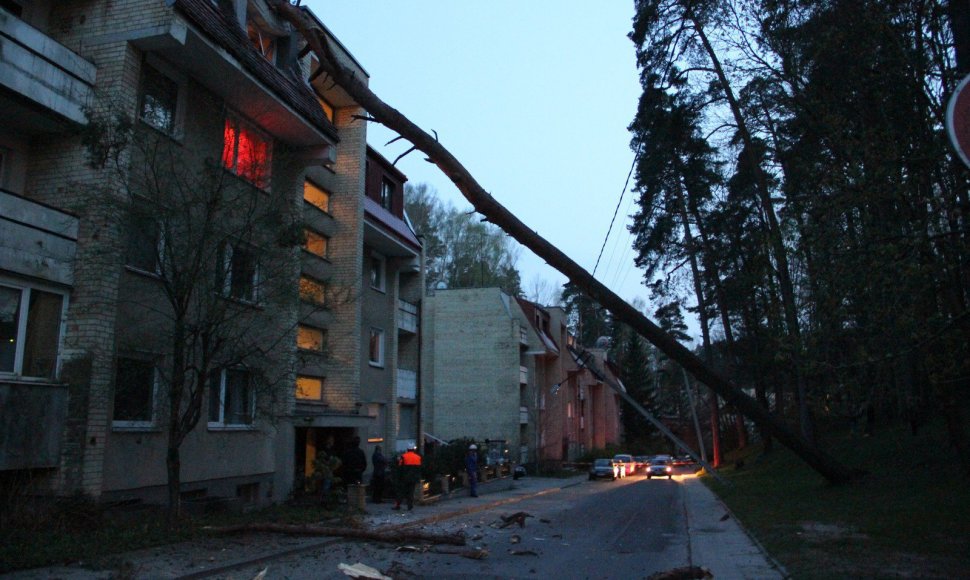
958 120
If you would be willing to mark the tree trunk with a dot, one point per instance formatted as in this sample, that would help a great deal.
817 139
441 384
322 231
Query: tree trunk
173 464
486 205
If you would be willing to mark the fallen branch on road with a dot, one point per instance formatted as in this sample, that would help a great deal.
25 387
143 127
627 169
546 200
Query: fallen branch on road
392 537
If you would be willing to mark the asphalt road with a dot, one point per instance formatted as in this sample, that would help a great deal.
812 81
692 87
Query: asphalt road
629 528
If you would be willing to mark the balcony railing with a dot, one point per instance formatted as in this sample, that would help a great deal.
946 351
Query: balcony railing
407 384
44 72
523 376
523 415
407 319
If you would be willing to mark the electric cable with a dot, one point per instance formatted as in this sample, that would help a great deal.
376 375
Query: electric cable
633 166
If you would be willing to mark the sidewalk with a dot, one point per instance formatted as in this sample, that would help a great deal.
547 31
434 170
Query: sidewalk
721 546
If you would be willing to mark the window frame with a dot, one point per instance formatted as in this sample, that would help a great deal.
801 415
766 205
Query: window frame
380 335
387 190
136 224
241 125
324 300
221 424
309 183
318 400
128 425
227 254
378 272
309 235
22 328
179 81
323 338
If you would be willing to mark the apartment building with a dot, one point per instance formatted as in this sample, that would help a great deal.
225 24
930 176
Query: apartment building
576 409
481 353
220 91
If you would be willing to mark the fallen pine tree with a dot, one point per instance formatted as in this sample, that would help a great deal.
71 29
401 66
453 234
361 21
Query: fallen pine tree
388 536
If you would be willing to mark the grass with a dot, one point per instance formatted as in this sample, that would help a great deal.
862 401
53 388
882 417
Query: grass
909 517
78 532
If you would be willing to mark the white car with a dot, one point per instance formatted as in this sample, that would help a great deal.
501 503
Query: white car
627 465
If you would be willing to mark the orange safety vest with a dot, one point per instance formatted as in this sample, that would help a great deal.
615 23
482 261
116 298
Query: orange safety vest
411 458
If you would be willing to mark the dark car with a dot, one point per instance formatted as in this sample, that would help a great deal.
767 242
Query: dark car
603 468
682 460
642 461
660 466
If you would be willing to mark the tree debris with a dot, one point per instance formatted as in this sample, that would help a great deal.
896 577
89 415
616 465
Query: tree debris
516 518
683 573
523 553
359 570
391 536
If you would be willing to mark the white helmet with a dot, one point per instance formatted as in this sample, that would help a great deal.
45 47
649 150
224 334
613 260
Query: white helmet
473 446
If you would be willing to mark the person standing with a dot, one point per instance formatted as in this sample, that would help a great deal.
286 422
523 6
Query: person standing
471 468
410 475
378 476
355 463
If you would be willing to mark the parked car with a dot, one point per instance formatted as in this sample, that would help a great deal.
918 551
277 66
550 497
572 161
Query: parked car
660 466
603 468
626 464
682 460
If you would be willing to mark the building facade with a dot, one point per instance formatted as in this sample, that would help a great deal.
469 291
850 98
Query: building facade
480 381
220 99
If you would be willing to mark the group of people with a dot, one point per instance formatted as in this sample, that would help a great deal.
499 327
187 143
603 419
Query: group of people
402 475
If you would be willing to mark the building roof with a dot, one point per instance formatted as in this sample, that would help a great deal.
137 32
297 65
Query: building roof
225 32
396 226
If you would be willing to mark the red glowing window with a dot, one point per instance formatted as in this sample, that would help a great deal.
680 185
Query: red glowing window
246 152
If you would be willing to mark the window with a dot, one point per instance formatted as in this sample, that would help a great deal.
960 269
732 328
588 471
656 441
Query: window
316 196
134 397
144 243
262 41
313 291
377 272
387 194
231 399
376 356
316 243
247 152
309 388
324 103
407 422
240 271
376 430
30 331
310 338
159 99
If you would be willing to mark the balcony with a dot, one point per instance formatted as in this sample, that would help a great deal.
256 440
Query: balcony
523 375
45 85
407 316
407 384
32 417
37 240
523 415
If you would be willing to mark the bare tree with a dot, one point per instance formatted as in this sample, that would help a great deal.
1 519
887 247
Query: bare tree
212 304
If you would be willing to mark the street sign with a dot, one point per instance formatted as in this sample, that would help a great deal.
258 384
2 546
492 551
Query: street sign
958 120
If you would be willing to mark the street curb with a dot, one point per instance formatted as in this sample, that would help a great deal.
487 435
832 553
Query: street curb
404 525
771 559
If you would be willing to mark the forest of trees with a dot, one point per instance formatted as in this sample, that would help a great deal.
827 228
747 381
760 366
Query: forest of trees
795 182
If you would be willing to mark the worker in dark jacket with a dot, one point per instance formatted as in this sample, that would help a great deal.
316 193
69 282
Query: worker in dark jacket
378 476
354 463
409 474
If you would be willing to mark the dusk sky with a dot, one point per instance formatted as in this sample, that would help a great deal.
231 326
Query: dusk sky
534 98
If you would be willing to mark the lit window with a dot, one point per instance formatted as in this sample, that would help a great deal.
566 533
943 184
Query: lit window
387 194
316 196
263 42
30 330
377 272
232 401
316 243
240 271
309 388
376 355
144 244
246 152
310 338
313 291
134 395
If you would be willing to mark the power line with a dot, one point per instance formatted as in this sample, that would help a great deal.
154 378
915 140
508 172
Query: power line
633 165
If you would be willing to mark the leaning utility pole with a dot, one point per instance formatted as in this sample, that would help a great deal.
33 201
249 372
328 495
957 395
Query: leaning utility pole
380 112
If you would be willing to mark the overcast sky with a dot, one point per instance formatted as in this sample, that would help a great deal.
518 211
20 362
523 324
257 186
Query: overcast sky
533 97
